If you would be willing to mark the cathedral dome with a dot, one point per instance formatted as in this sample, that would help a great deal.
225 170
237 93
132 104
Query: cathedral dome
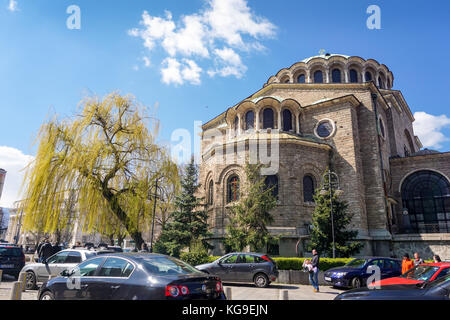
335 68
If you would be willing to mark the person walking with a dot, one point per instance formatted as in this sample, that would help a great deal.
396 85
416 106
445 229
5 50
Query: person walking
407 263
314 273
144 248
437 259
55 248
417 259
45 251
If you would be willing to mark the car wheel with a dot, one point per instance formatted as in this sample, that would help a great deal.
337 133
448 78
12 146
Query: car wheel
261 280
30 281
356 283
47 295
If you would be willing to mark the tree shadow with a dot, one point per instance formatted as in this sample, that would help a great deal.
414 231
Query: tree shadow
251 285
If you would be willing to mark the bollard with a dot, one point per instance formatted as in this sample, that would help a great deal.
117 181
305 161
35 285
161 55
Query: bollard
16 292
284 295
22 280
228 294
1 275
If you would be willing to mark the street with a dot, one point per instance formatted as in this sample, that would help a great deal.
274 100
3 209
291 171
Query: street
239 292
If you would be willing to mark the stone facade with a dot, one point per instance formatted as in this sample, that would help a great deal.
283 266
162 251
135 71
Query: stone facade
370 137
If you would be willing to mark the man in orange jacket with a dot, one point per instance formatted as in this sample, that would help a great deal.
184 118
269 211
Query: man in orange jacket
407 263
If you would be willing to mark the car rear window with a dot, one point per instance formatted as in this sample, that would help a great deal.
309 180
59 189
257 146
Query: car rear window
10 252
162 266
421 273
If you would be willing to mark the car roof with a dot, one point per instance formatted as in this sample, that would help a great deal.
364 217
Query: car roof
439 264
372 258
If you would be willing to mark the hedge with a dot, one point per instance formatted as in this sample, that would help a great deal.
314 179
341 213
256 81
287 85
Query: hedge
282 263
297 263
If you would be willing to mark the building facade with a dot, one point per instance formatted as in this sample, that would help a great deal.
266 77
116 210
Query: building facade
342 113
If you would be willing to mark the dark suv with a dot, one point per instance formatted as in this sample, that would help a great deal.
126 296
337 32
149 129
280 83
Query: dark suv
12 260
243 267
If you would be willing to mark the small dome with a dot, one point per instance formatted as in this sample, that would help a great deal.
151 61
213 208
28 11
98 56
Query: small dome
425 152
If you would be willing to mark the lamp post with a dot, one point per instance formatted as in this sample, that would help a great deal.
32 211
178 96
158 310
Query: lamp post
333 183
154 215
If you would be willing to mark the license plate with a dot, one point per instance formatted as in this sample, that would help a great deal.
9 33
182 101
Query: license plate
7 266
328 279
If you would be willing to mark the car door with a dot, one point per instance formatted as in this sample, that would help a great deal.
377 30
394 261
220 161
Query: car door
225 267
78 285
53 266
111 280
244 268
374 263
390 269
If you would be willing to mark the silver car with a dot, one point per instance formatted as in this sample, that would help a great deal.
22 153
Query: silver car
243 267
53 266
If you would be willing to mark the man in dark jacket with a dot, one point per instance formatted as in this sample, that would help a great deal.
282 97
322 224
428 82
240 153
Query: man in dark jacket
46 250
314 275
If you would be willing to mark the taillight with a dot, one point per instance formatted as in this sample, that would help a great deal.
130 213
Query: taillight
172 291
266 258
176 291
219 287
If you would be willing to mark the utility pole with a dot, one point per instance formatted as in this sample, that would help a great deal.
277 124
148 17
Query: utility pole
154 216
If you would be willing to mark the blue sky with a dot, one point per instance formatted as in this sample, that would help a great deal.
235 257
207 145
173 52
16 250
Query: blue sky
45 68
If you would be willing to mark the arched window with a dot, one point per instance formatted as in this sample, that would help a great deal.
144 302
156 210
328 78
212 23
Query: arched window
301 79
233 189
336 76
211 193
318 77
353 76
272 183
287 120
380 83
426 196
268 121
250 120
308 189
236 125
368 76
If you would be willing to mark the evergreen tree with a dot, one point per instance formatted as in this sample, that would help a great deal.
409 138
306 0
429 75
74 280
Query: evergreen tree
251 215
189 222
321 235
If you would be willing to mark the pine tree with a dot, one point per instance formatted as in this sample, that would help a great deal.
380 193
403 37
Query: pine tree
251 215
189 222
321 235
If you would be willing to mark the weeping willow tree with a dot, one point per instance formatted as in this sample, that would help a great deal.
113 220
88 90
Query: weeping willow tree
108 155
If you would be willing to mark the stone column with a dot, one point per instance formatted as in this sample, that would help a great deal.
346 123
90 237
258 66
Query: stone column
297 123
279 120
239 131
347 77
327 76
257 120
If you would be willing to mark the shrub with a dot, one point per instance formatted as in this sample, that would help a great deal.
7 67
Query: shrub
195 258
296 263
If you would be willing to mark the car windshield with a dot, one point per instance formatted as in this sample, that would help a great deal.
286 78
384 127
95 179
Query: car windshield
421 273
357 263
11 252
439 281
162 266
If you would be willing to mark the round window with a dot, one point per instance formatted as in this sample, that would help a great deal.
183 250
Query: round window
325 129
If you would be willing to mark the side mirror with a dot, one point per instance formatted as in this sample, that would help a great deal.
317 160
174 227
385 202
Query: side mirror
65 273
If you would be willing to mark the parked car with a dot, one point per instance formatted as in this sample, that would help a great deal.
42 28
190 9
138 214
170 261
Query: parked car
243 267
436 290
67 259
355 273
419 274
133 276
12 260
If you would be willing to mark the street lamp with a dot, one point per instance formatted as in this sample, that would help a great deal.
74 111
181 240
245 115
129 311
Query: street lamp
329 186
154 215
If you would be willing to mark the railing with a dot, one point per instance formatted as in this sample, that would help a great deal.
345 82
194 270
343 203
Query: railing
424 228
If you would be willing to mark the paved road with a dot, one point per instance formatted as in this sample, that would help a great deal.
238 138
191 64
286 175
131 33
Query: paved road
239 292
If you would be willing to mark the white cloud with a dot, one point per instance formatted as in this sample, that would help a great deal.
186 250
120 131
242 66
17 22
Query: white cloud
229 64
14 162
428 127
147 62
173 72
13 6
223 23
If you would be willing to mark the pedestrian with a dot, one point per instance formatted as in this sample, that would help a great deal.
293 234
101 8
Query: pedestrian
417 259
144 247
77 245
55 248
437 259
407 263
38 249
45 251
314 274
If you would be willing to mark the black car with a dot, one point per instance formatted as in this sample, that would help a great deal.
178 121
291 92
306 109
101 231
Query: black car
133 276
12 260
355 273
436 290
243 267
